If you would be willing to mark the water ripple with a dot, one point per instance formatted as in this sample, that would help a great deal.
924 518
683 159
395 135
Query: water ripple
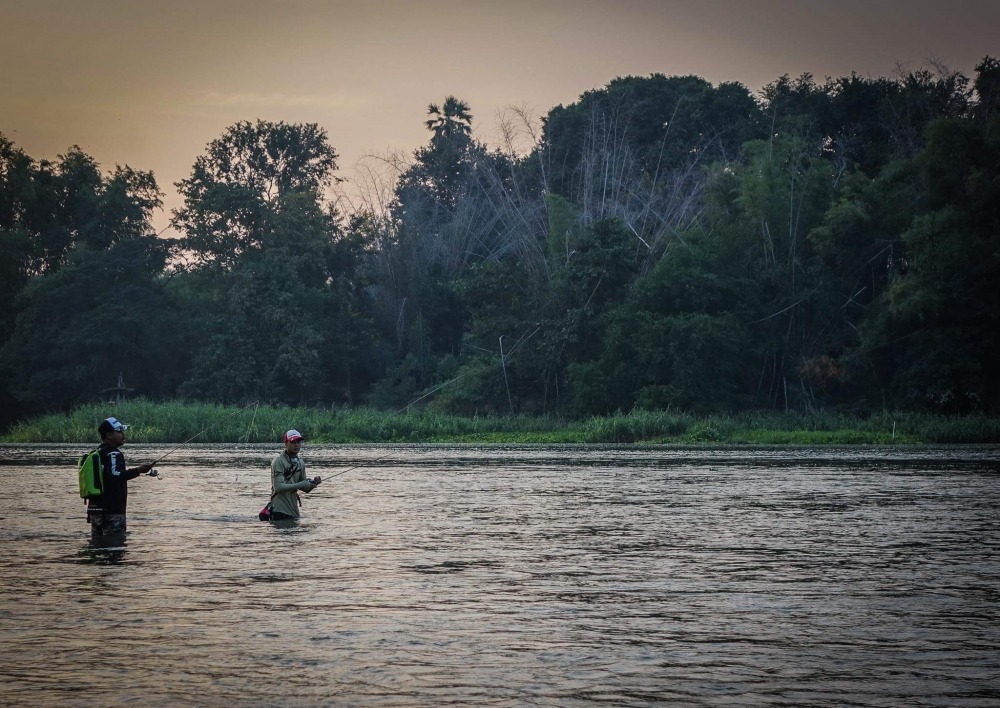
506 575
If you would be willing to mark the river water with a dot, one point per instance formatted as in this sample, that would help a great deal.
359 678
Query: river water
510 575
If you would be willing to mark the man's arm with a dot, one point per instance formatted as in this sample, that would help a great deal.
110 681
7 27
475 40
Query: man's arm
116 462
278 469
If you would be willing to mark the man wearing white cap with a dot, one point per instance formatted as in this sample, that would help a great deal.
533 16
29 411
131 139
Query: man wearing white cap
106 513
288 477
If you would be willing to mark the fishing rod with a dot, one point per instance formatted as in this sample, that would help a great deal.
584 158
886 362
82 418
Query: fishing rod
209 427
363 464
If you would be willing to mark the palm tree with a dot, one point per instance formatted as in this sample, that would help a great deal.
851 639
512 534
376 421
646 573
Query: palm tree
453 122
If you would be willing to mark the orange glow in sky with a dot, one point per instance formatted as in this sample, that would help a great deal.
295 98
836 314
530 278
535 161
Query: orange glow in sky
149 83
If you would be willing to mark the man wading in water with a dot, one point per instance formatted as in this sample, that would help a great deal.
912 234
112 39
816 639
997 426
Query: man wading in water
288 477
106 513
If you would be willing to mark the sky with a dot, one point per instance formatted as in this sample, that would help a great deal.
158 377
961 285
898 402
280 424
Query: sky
149 83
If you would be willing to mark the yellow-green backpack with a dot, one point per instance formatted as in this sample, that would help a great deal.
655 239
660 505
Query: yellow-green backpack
89 470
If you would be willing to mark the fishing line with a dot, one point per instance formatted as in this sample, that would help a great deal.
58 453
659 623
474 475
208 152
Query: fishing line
208 427
363 464
400 410
434 390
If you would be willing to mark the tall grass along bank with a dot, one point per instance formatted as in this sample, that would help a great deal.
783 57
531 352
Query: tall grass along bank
177 422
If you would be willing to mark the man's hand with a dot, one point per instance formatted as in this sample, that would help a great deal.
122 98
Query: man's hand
316 480
145 469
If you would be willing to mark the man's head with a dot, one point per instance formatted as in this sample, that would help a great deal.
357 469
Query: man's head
293 441
112 430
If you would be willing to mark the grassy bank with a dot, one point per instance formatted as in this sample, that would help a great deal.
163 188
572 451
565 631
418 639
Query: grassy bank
177 422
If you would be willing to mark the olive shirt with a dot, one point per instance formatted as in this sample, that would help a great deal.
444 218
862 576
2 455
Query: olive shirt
288 476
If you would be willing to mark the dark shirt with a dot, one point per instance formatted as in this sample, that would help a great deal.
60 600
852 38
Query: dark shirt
115 478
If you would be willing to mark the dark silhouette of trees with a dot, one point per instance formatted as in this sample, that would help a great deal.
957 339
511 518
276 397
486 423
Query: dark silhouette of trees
661 242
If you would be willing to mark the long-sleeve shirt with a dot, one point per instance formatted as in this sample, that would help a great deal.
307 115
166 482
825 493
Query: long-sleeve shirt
288 476
114 477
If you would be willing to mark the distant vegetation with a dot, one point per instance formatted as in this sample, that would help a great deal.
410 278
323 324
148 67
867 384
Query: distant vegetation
204 423
652 262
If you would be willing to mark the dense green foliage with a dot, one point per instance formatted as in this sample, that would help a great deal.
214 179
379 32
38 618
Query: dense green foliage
663 248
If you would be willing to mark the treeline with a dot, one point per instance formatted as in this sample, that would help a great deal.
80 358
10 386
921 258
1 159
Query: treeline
662 243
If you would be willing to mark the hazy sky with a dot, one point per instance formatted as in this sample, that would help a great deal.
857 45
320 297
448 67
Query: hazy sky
149 83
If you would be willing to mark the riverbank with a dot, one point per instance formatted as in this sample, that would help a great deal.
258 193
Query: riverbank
178 422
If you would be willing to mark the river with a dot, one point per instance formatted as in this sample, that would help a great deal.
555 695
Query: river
511 576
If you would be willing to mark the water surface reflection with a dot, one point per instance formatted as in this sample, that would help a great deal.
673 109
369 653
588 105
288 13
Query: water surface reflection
510 575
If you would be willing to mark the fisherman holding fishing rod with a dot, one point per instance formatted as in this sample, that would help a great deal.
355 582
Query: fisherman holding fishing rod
106 512
288 478
104 484
288 475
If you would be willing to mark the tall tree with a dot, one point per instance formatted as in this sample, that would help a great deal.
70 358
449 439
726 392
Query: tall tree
241 180
935 338
102 314
432 219
67 215
273 282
